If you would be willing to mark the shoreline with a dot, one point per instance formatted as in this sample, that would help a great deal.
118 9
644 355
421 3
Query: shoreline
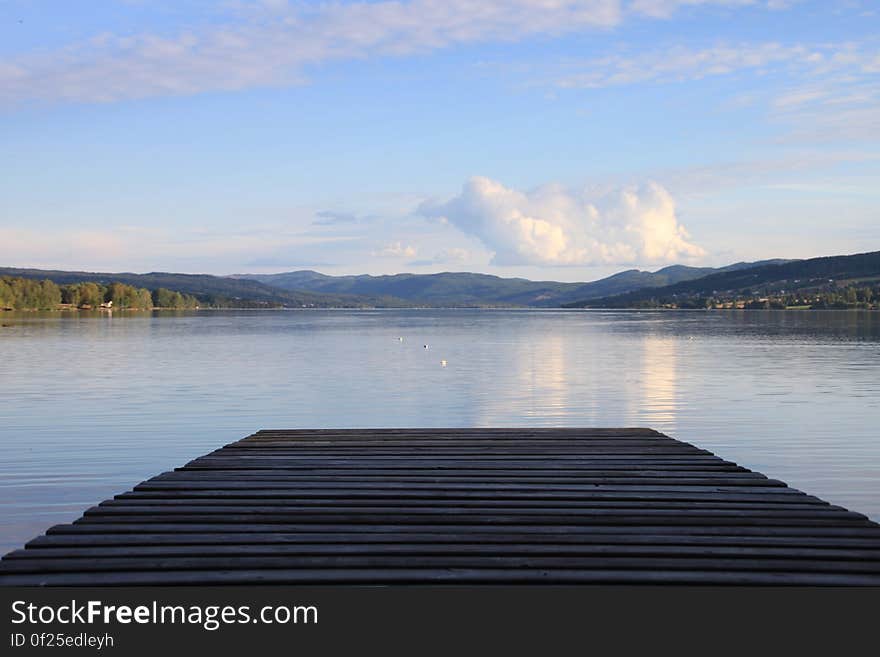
796 309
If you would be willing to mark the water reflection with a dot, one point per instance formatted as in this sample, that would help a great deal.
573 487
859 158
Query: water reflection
657 399
533 381
574 374
93 405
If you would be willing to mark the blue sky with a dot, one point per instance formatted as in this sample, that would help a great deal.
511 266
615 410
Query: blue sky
548 139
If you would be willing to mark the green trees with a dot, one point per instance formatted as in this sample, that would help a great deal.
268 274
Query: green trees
165 298
848 297
120 295
6 297
825 297
27 294
128 297
144 299
83 295
50 295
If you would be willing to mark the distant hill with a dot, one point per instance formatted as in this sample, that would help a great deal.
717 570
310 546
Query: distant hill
211 290
459 288
312 289
763 280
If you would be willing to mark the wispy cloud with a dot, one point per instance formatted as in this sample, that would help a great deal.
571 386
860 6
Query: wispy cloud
782 169
665 8
330 218
819 92
272 43
291 260
451 256
127 248
831 109
681 63
553 225
396 250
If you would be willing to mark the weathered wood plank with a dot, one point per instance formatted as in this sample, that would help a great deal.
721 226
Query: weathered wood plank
435 548
440 468
514 432
767 486
480 517
495 476
599 500
439 575
574 508
352 536
476 445
418 444
513 459
871 532
480 468
335 561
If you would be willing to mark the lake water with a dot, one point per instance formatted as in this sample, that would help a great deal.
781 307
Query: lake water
92 404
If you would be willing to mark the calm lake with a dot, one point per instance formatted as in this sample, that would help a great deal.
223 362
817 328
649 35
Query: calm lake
92 404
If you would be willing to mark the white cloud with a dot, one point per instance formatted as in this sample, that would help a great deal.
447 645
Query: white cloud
711 180
396 250
270 50
275 5
823 92
556 226
839 101
665 8
138 248
680 63
271 44
452 255
840 119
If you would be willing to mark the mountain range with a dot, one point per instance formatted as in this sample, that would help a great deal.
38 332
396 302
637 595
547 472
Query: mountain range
469 289
630 288
210 290
814 274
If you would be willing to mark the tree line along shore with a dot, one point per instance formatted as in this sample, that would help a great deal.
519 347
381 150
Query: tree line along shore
29 294
26 294
845 297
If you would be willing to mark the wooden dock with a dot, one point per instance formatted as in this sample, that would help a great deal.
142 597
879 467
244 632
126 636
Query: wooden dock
456 506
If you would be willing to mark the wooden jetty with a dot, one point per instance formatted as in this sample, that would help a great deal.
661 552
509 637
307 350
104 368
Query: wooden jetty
456 506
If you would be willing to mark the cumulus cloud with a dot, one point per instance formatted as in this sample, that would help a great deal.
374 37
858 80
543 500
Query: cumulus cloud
396 250
275 42
553 225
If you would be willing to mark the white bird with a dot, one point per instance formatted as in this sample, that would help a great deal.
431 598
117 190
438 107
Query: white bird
442 363
426 346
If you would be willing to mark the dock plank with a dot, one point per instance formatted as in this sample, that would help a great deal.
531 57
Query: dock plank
569 505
